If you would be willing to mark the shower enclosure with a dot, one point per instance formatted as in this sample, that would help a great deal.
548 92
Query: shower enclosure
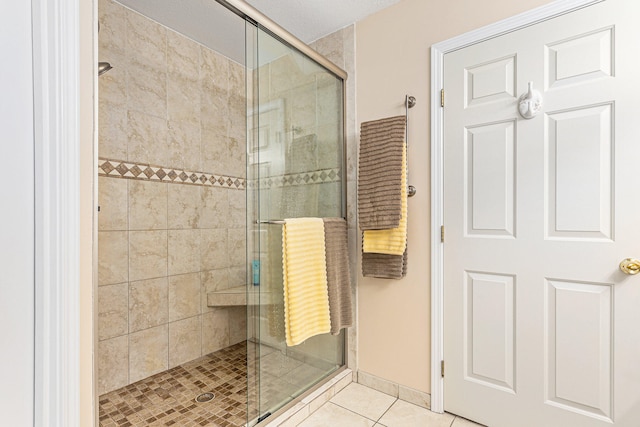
295 168
214 124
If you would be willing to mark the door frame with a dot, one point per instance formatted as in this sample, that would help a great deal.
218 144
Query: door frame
438 51
61 146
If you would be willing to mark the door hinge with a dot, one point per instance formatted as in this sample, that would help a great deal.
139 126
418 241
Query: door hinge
442 97
442 368
442 233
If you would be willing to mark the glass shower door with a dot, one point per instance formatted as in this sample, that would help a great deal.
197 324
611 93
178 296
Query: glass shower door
295 168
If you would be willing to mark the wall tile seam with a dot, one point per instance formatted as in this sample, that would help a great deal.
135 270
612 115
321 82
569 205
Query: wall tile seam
149 327
113 337
168 323
172 275
130 330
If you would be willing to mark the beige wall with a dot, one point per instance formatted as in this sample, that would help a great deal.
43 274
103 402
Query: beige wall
392 59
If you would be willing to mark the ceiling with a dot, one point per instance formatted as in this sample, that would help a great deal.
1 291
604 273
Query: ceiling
310 20
211 24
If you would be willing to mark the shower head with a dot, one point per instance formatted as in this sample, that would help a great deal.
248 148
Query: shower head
103 67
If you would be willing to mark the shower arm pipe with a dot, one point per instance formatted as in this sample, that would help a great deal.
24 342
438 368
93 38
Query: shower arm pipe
409 102
245 10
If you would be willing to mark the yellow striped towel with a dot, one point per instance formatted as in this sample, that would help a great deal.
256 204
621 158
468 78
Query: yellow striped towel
304 268
394 240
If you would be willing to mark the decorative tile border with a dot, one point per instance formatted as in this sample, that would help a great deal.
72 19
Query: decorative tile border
129 170
313 177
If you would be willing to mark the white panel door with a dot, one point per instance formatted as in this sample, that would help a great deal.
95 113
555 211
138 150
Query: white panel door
541 328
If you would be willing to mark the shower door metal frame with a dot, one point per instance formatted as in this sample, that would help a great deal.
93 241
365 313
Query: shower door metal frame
246 11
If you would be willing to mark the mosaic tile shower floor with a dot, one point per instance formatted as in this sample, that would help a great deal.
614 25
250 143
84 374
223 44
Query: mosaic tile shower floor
168 398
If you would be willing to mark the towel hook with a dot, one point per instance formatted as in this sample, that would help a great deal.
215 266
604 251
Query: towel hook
530 103
409 102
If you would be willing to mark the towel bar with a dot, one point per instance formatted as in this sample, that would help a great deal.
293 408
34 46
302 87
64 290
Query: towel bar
269 221
409 102
272 221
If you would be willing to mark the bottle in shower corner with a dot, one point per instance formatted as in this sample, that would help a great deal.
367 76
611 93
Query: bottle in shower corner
255 268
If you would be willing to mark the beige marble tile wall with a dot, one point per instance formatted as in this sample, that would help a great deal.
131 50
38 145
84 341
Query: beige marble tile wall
168 102
301 131
339 47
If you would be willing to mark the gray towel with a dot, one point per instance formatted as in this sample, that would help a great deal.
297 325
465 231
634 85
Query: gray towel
274 306
300 200
338 274
302 155
384 266
380 173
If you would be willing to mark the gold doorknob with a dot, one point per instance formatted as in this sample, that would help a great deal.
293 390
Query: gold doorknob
630 266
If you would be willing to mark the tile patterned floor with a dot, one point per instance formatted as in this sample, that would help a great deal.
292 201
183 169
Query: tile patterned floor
167 398
358 405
